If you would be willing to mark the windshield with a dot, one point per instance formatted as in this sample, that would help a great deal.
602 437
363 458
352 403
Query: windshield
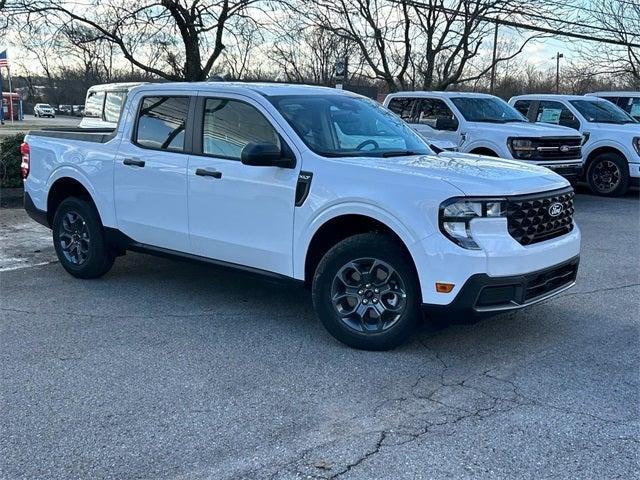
345 126
601 111
487 109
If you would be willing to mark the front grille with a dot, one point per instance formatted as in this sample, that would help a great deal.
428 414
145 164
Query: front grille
558 148
529 218
541 283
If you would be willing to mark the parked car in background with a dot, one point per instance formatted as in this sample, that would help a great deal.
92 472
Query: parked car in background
43 110
77 110
65 109
611 146
310 184
628 101
104 104
487 125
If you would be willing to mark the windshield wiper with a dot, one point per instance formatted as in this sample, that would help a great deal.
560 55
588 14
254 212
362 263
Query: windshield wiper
400 153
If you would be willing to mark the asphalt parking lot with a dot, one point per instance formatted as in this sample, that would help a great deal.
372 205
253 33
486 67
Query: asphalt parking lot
164 370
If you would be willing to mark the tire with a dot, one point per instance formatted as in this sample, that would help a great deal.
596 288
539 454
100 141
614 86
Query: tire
78 238
608 175
360 328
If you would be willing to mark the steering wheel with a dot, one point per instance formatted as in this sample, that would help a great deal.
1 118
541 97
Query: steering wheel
368 142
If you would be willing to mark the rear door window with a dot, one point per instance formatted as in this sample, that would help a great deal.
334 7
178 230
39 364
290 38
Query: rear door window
113 106
94 105
229 125
161 123
403 107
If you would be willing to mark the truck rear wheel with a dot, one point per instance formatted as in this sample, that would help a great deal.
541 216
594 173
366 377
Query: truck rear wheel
608 175
78 238
366 292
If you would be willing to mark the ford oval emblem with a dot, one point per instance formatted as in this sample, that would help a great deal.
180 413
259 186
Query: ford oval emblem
564 148
555 209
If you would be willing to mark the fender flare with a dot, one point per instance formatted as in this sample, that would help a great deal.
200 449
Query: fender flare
67 171
301 246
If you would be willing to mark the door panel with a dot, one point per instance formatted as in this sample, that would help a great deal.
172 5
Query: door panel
150 176
243 217
238 213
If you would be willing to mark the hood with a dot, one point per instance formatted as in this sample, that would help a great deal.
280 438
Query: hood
474 175
630 129
524 129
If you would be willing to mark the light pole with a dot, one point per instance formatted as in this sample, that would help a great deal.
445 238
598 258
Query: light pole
558 57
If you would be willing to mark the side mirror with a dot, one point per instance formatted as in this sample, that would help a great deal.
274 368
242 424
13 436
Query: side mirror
443 123
264 154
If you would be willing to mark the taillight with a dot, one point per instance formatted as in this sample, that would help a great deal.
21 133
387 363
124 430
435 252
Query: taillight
26 160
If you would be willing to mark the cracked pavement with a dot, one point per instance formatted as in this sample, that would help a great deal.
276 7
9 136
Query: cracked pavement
170 370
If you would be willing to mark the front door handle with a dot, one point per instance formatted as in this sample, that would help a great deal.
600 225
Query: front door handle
134 162
203 172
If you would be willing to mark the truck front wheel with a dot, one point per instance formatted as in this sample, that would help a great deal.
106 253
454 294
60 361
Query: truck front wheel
78 238
608 175
366 292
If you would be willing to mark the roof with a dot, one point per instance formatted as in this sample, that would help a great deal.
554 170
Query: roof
615 94
552 96
438 94
265 89
116 86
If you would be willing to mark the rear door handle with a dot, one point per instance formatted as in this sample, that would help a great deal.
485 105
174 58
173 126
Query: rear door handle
203 172
134 162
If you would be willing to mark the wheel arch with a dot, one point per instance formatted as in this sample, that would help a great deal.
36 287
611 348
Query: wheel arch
484 151
64 187
329 229
602 150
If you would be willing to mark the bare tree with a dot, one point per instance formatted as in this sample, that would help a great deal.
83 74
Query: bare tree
621 19
188 36
430 44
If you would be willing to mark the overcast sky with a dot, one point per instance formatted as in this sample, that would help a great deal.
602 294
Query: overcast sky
540 53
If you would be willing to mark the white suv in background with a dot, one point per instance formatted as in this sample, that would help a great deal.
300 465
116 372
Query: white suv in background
44 110
611 148
628 101
487 125
103 104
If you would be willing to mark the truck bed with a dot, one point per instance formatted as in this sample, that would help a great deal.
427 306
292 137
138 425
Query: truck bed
96 135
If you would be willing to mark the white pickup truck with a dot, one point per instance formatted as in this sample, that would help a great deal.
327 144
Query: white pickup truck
307 184
487 125
611 149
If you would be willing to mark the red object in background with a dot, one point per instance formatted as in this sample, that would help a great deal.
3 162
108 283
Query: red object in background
25 166
11 108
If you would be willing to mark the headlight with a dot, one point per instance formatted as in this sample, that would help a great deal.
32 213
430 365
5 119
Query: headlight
636 144
521 147
456 213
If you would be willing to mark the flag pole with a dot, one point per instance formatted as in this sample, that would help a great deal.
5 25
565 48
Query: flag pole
1 100
10 95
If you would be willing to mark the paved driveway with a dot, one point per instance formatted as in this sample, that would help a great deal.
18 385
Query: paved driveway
170 370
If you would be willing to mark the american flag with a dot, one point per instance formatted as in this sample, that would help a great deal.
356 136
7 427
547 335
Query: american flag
3 59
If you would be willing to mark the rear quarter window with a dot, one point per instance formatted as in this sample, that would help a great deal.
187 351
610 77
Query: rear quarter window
113 106
94 105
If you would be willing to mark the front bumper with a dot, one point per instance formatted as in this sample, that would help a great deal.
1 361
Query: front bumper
482 294
571 172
